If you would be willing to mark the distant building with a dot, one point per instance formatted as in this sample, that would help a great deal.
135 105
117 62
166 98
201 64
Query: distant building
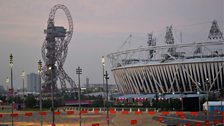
2 90
111 87
33 82
87 82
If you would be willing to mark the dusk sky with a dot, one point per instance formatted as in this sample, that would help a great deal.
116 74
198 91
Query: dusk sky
100 27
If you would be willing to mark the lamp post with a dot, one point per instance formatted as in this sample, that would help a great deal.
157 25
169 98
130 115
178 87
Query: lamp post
50 68
23 76
207 89
103 65
156 102
182 98
199 106
182 103
79 72
198 92
7 84
173 100
40 89
107 77
12 90
221 93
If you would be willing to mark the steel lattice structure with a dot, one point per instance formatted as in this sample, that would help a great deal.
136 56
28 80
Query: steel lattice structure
169 68
54 51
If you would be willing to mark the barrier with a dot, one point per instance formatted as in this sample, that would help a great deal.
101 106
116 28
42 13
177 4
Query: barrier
84 111
194 113
222 113
28 114
187 124
165 113
222 121
96 111
151 112
43 113
161 119
124 112
14 114
112 112
133 122
179 113
70 112
215 122
207 123
57 113
197 123
96 124
138 112
65 119
182 116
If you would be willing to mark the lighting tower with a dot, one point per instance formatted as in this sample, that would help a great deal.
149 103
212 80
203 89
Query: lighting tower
214 32
40 89
151 42
23 77
169 39
12 89
79 72
103 66
107 77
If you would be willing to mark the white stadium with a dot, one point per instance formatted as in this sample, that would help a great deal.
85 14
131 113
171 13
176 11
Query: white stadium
169 68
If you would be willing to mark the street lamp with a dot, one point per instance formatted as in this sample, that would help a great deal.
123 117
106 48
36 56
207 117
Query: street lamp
7 87
182 98
173 100
199 106
157 100
23 76
12 90
78 72
207 89
50 68
107 77
198 92
7 83
182 103
103 65
40 88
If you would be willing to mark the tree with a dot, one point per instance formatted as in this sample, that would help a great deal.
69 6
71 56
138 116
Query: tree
18 99
47 103
30 101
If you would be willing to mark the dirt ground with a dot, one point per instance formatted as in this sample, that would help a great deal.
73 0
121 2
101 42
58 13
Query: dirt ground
117 119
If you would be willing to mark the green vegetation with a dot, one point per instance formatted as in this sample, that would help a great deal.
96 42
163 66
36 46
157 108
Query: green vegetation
30 101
